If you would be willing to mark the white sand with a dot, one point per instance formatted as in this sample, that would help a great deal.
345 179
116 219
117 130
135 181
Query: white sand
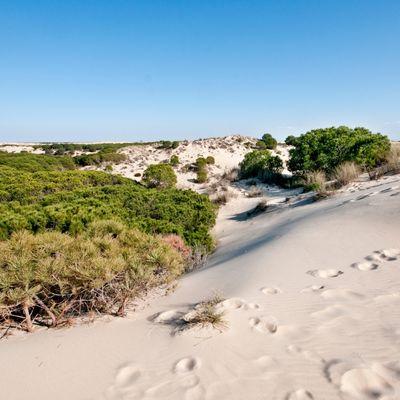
312 301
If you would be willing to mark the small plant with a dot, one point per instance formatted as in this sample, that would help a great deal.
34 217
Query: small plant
174 160
202 176
205 314
261 145
210 160
201 162
159 176
108 168
315 181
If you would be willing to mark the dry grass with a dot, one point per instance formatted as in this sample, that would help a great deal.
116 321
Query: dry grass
205 314
231 175
255 191
346 173
393 158
316 181
51 277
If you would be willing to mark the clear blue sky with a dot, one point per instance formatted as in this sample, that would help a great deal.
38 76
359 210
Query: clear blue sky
141 70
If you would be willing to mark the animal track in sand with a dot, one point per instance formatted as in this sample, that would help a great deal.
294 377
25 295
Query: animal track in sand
264 324
395 194
187 364
312 288
235 303
271 290
325 273
300 394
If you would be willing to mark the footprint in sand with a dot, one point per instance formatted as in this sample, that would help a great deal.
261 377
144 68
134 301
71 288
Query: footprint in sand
167 317
330 312
365 265
264 324
390 254
364 383
127 376
325 273
235 303
186 365
300 394
395 194
271 290
312 288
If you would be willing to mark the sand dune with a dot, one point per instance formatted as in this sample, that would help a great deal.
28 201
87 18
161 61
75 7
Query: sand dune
312 303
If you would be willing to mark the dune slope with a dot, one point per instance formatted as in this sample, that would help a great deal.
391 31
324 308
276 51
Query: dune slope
312 305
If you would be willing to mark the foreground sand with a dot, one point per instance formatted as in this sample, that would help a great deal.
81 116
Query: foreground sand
313 306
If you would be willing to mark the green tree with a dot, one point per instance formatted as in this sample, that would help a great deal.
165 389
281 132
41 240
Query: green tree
325 149
291 140
260 163
269 141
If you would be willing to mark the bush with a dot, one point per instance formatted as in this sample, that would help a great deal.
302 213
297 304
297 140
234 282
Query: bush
69 201
325 149
210 160
36 162
159 176
174 160
346 173
291 140
201 176
260 163
167 144
99 158
201 162
50 277
269 141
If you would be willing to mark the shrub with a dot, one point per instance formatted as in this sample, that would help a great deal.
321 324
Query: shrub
260 163
261 145
210 160
325 149
69 201
346 172
291 140
174 160
36 162
177 243
167 144
99 158
269 141
201 162
201 176
49 277
159 176
108 168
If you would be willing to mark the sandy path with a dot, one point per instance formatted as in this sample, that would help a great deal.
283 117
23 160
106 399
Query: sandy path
313 305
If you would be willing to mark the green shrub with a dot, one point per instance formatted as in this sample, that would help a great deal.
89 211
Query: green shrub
202 175
69 201
291 140
35 162
261 145
260 163
269 141
50 277
167 144
210 160
325 149
159 176
99 158
174 160
201 162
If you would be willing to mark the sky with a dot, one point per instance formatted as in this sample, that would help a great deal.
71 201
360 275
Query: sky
93 70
